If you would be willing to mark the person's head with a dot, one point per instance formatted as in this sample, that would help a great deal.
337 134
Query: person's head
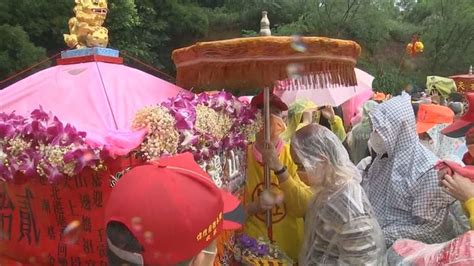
321 157
277 108
168 212
393 126
457 108
465 122
430 115
368 107
379 97
299 112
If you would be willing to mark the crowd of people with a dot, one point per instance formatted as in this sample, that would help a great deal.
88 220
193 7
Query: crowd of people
360 192
338 196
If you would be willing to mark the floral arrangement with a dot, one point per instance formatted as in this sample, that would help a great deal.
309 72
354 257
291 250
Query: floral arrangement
251 251
43 146
202 124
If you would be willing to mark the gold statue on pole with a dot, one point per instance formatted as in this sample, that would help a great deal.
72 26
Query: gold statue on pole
85 28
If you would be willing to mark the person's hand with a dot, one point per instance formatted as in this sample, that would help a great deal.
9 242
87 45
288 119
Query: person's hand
443 171
270 157
459 187
266 201
328 113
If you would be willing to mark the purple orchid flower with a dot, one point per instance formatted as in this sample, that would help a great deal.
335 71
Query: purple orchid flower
29 159
82 158
185 118
203 98
189 138
53 173
5 173
261 250
39 114
6 131
46 129
247 241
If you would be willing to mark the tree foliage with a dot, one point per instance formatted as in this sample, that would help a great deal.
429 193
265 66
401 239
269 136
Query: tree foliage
16 50
152 29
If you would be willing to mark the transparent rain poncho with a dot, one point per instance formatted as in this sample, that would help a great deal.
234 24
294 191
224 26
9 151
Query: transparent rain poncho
340 226
295 113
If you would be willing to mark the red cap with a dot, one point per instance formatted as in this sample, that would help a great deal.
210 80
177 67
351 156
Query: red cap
464 123
257 101
173 208
430 115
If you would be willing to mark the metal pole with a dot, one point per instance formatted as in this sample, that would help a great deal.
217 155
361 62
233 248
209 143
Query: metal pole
266 169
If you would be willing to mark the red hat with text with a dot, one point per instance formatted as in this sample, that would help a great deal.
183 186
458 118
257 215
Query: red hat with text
464 123
173 208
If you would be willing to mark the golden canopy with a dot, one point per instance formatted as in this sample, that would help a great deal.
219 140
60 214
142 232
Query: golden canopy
257 62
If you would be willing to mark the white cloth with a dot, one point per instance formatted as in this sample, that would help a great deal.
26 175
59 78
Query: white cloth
446 148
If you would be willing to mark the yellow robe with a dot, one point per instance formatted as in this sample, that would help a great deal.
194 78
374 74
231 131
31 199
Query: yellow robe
288 226
469 209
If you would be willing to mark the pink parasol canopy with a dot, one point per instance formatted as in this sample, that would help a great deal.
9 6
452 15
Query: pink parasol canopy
352 108
333 95
98 98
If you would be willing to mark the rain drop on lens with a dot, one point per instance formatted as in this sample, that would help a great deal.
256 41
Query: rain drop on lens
297 44
137 224
294 70
148 237
72 232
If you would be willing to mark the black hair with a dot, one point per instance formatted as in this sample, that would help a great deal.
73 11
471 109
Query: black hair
325 123
415 107
122 238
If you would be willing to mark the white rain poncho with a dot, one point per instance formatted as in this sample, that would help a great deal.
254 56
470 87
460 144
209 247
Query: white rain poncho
340 226
402 185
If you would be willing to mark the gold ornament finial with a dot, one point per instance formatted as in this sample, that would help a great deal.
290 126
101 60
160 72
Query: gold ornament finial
85 27
265 25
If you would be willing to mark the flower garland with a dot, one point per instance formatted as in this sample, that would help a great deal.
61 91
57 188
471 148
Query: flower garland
162 137
202 124
251 251
43 146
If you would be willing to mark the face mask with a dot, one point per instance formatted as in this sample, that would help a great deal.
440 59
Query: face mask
377 143
277 126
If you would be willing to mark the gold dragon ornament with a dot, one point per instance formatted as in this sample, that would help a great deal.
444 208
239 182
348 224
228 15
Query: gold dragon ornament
86 27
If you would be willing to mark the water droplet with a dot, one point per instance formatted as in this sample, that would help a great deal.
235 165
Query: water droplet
137 224
294 70
72 232
297 44
148 237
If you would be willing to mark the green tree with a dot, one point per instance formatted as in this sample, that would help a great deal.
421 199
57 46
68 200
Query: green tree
16 50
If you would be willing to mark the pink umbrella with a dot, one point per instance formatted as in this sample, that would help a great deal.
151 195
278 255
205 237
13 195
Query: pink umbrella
333 96
350 98
352 108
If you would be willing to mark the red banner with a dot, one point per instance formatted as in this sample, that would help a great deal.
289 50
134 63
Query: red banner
43 223
464 84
